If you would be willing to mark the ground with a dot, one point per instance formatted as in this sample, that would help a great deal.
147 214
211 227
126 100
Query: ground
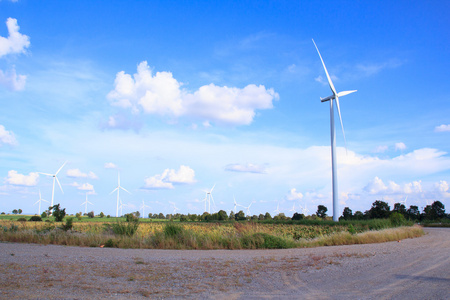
409 269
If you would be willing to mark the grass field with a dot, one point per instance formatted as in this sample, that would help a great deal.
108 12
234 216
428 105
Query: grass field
115 232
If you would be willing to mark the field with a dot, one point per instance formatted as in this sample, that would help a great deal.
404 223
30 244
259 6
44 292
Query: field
117 233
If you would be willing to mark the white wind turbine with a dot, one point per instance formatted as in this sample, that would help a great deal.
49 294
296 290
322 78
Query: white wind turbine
304 210
174 207
40 201
277 211
293 208
118 190
404 201
248 208
335 97
143 206
85 203
208 198
54 179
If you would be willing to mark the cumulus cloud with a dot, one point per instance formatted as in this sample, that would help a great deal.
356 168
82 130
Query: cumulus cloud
246 168
184 175
110 165
400 146
377 186
7 137
442 128
12 81
76 173
294 195
15 42
15 178
84 187
161 94
381 149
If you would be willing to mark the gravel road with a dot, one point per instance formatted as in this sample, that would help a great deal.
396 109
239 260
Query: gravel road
410 269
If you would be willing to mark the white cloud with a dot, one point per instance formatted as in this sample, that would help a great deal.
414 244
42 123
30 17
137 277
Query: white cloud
76 173
162 94
377 186
247 168
7 137
381 149
15 178
413 187
86 187
110 166
12 81
15 42
294 195
400 146
442 128
443 188
184 175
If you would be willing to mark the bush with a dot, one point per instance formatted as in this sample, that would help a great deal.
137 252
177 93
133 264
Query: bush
35 219
44 215
68 225
90 214
21 220
128 228
58 213
397 219
171 230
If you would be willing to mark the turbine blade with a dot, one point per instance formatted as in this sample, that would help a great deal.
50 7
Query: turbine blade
212 188
45 174
60 168
340 119
114 190
57 180
326 71
125 190
344 93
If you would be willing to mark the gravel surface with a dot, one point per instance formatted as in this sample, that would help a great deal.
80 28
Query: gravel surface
409 269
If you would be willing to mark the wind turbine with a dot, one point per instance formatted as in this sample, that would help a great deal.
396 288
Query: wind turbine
174 207
40 201
248 208
86 204
118 190
335 97
54 179
143 206
277 211
404 201
304 210
208 198
293 208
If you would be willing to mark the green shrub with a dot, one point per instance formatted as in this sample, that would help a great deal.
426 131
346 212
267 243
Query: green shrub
68 225
21 220
36 219
110 244
397 219
171 230
125 228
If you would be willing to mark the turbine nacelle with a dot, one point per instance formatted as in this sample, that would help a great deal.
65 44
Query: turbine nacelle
340 94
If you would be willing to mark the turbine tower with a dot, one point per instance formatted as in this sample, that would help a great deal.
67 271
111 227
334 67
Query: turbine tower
143 206
208 198
118 190
334 97
55 179
40 201
86 204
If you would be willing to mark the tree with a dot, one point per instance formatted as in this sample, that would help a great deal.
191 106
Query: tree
19 211
137 214
298 216
400 208
101 215
267 216
240 216
358 215
44 215
15 211
91 214
434 211
347 214
321 211
379 210
413 212
222 215
58 213
161 216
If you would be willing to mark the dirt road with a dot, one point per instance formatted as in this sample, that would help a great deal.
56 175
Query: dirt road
411 269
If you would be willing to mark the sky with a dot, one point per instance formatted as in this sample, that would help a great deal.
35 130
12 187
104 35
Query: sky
179 97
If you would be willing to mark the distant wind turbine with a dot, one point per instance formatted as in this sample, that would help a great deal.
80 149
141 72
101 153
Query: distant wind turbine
277 211
40 201
248 208
293 208
118 190
143 206
174 207
404 201
335 96
54 179
208 198
86 204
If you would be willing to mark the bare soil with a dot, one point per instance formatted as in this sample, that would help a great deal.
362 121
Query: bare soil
409 269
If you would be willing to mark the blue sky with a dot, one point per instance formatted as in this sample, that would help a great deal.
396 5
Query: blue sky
179 96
